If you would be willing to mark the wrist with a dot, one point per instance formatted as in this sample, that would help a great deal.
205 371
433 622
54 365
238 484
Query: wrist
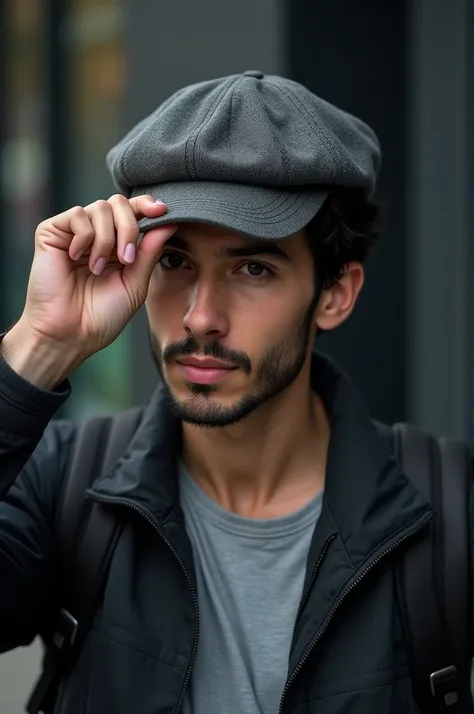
39 360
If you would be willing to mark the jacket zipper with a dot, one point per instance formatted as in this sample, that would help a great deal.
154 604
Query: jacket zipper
340 600
162 534
315 572
307 589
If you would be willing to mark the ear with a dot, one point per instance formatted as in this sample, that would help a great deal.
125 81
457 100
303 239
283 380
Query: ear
337 302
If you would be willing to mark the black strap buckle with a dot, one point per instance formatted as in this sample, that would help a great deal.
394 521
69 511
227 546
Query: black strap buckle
65 631
56 660
444 688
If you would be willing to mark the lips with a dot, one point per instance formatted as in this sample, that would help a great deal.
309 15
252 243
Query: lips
205 363
204 371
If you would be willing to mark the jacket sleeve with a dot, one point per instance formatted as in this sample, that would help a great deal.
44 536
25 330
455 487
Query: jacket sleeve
33 456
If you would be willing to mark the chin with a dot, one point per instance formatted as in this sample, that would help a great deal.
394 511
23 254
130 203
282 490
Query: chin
206 409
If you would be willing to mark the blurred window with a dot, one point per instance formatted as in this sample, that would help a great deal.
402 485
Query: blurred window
24 154
90 97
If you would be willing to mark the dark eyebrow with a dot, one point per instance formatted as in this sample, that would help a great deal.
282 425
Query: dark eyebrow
177 242
251 248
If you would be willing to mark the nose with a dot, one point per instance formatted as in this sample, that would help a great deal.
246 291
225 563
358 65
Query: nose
206 316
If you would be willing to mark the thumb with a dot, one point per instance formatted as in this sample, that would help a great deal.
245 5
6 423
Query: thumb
137 275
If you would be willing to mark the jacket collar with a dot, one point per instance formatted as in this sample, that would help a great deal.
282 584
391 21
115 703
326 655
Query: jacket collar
147 472
367 496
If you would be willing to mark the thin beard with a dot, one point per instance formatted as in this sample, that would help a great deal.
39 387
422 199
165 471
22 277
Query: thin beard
272 381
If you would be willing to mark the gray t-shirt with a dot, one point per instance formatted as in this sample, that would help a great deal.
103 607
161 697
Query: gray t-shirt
250 575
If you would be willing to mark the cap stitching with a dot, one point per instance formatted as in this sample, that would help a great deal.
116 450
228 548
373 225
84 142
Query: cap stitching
231 87
145 126
278 217
284 159
250 216
314 125
232 106
146 123
310 118
274 219
280 144
265 208
145 188
231 206
231 111
283 153
330 141
193 139
121 166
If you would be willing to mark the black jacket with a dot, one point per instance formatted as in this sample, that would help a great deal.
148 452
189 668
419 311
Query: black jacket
348 654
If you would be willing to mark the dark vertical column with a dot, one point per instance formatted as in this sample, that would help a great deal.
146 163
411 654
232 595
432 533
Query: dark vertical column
3 101
170 45
440 225
57 92
51 19
352 53
470 148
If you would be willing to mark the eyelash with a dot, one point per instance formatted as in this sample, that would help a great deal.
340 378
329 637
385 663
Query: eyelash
253 278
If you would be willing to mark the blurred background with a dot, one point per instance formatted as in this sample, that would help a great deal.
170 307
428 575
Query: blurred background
75 75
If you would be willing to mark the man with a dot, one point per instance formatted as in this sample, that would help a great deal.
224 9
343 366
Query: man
262 511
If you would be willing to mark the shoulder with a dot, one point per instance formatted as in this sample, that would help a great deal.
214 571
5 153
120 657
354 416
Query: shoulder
385 432
40 481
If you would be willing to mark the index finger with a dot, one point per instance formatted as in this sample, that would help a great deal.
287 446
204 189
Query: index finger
146 207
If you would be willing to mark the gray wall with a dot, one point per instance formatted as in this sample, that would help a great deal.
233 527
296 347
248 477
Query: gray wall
354 55
407 69
440 236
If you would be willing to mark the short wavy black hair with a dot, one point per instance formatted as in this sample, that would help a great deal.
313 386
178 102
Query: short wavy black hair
344 230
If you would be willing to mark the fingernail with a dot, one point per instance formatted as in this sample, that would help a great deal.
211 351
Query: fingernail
99 265
129 253
159 203
77 255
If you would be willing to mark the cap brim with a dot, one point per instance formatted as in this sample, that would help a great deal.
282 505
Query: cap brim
255 211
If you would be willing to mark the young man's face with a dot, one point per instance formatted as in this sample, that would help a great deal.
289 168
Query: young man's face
246 309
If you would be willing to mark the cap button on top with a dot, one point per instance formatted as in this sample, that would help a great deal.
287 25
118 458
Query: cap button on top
254 73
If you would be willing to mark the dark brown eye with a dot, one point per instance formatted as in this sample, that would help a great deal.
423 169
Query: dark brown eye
172 260
256 270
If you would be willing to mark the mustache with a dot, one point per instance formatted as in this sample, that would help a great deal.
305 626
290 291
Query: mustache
190 346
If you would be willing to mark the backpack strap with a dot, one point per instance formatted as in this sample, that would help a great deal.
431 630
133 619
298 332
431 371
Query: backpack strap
434 573
86 535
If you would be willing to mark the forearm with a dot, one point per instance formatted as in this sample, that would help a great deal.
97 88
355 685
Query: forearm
32 461
41 362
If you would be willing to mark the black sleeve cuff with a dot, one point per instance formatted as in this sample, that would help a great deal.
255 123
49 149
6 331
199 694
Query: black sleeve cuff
25 408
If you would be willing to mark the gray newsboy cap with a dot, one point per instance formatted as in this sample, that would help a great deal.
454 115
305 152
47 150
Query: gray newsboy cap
251 152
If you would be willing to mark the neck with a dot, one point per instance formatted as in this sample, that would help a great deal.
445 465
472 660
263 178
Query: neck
272 462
